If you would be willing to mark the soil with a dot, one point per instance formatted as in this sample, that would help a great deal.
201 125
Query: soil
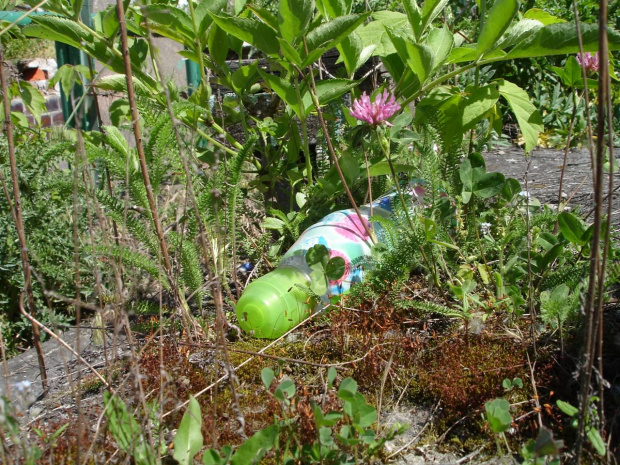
539 174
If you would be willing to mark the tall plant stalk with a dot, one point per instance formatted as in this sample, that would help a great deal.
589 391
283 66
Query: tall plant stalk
184 312
592 347
16 210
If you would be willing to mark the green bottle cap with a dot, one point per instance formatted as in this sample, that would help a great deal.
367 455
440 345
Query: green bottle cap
273 304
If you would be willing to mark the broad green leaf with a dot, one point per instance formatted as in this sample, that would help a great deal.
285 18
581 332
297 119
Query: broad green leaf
59 29
289 52
498 415
571 73
335 268
414 15
253 449
273 223
528 117
519 32
472 169
31 97
545 444
374 33
244 77
218 45
478 104
284 90
318 283
441 42
328 90
350 168
174 19
203 20
495 25
251 31
571 227
317 257
542 16
561 39
268 18
294 17
367 416
287 387
334 8
115 139
267 375
328 35
418 57
430 10
353 53
347 389
325 436
489 185
188 440
382 168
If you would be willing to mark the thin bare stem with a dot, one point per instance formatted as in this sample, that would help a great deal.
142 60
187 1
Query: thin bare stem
16 210
184 313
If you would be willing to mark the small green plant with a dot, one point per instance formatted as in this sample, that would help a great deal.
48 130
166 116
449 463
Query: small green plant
592 433
354 442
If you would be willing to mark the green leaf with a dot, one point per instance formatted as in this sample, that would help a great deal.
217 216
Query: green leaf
572 228
331 376
567 408
472 169
201 15
478 104
188 440
286 388
518 32
218 44
542 16
317 257
329 34
441 42
596 440
561 39
251 31
32 98
418 57
367 416
374 33
328 90
495 25
414 15
353 53
59 29
430 10
318 283
253 449
511 189
335 268
284 89
498 415
347 389
294 17
66 77
334 8
176 22
244 77
545 444
528 117
489 185
267 375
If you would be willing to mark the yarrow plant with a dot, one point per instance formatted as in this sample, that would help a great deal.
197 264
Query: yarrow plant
589 61
377 112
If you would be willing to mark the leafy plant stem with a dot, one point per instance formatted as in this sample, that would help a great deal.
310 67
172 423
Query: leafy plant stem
184 312
431 264
16 211
332 152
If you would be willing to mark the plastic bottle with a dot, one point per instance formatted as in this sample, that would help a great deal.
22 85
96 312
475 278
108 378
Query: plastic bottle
276 302
273 304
